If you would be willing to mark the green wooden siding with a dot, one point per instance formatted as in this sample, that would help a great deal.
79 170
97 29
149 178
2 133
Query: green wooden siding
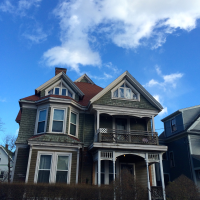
67 123
84 80
34 159
88 132
81 126
107 100
21 165
27 125
138 124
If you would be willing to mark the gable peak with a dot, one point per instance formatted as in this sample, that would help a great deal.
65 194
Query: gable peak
84 78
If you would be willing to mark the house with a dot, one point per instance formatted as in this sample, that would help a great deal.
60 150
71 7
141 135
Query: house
4 159
78 132
182 137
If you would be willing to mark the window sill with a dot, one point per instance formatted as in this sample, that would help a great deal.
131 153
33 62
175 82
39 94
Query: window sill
73 136
125 99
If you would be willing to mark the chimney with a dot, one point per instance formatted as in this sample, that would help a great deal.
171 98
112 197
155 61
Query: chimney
58 70
6 146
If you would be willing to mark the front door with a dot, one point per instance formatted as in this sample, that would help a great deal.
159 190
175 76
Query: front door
128 167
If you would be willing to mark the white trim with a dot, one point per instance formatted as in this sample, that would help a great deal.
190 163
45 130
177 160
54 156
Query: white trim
53 166
37 118
72 110
162 177
134 82
131 87
77 166
64 120
28 166
84 76
128 146
29 105
57 77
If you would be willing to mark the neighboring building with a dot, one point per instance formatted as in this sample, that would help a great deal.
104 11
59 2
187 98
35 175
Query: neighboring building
4 163
182 137
78 132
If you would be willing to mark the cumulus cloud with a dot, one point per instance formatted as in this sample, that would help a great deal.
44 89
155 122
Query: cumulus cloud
126 23
20 8
164 110
168 80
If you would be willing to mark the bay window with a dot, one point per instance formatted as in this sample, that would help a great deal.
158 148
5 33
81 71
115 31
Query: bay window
73 123
58 120
42 115
53 167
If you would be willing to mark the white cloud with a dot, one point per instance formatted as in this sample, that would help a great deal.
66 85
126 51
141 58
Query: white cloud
113 68
164 111
127 23
21 7
17 131
36 35
168 80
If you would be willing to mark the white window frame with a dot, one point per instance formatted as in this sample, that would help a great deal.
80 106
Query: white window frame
170 159
64 120
171 124
77 121
130 86
37 118
62 85
53 169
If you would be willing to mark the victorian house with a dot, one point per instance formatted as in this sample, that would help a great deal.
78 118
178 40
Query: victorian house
78 132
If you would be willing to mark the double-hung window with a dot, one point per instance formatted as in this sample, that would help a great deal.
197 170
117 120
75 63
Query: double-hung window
41 121
171 157
173 125
73 124
58 120
53 167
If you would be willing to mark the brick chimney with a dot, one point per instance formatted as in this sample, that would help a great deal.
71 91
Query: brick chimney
58 70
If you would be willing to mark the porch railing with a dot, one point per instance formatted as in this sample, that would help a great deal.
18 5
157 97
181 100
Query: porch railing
121 136
156 192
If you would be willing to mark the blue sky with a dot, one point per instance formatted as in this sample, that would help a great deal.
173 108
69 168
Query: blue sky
156 41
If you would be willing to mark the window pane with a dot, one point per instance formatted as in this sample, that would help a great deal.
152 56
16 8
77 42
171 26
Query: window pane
43 176
57 126
69 94
62 163
42 116
58 114
134 96
128 93
64 91
122 85
50 91
103 166
102 178
61 177
57 91
115 94
121 92
45 162
73 118
40 127
72 129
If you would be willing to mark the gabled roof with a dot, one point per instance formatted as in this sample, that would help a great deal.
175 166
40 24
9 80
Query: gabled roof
135 83
178 112
84 76
9 152
65 78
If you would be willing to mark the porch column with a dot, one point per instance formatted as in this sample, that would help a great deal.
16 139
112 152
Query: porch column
153 124
148 183
162 177
113 165
99 168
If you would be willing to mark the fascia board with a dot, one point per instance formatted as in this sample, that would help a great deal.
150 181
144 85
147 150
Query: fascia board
160 148
86 76
139 87
5 152
171 115
57 77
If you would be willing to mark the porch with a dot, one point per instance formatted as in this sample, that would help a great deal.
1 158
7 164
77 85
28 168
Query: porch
109 165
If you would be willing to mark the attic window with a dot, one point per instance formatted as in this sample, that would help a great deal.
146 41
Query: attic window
125 91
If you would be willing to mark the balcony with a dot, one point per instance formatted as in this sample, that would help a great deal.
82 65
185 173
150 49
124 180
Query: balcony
131 137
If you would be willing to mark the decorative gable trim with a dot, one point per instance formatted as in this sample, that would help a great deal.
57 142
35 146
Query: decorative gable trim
66 79
3 148
132 88
86 77
126 75
194 124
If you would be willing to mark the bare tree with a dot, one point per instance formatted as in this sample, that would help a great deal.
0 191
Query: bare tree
9 144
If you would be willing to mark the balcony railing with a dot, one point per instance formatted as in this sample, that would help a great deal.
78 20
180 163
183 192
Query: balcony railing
122 136
156 193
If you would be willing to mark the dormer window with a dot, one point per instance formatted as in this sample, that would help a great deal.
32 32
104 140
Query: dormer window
60 88
125 91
